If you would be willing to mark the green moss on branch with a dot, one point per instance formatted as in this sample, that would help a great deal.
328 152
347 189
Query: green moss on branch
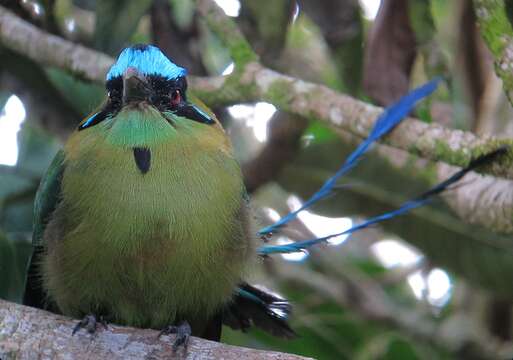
497 32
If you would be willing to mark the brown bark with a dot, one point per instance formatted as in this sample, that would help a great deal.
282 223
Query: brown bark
281 147
389 53
29 333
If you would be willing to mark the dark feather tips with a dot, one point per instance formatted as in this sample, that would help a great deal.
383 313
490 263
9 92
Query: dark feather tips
253 306
142 157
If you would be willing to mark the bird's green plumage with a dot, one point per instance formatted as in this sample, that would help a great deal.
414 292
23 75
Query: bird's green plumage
47 197
149 248
143 217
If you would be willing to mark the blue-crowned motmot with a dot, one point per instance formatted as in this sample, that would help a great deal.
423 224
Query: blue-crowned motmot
143 217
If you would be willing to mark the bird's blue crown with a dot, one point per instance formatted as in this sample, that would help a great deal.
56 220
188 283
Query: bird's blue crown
149 60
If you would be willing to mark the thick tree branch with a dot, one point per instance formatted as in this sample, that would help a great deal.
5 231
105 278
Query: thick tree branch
252 82
482 200
28 333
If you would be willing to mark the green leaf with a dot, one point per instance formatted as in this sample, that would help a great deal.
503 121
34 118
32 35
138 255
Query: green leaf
14 254
324 331
19 183
36 149
84 97
182 12
319 133
4 95
400 349
116 22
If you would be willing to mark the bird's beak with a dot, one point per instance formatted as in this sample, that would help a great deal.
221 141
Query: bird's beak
135 86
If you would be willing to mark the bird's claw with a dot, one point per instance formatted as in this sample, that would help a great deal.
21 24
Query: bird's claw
182 331
90 323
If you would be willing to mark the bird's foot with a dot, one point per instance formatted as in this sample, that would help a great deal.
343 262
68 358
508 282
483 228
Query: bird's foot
182 331
89 323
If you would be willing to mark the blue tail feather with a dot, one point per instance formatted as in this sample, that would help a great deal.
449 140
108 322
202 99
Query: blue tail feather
407 206
386 122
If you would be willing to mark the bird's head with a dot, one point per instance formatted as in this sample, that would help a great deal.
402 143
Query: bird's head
143 77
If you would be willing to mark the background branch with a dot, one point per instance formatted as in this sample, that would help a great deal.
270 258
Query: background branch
284 135
47 49
495 23
265 24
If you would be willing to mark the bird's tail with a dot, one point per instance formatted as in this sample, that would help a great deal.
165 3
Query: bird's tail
416 202
388 120
256 306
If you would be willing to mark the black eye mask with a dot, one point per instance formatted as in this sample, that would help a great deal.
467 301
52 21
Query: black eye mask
160 99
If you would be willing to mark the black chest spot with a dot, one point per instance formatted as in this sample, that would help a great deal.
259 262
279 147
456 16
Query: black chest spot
142 157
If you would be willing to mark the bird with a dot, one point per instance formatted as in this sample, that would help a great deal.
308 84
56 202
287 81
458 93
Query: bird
142 219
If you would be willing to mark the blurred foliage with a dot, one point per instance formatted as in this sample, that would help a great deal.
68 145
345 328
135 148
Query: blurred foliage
84 97
117 23
325 44
17 192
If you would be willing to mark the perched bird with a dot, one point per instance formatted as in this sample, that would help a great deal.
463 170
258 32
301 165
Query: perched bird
143 220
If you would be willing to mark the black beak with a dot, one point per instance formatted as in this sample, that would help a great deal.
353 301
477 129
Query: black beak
135 86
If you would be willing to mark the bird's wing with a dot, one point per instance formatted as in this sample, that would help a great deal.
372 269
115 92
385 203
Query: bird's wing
46 200
47 197
254 306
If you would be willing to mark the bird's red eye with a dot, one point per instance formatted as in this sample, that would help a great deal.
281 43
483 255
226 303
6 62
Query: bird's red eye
176 98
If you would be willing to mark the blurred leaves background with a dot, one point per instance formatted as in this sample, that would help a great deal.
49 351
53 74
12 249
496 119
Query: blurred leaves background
422 286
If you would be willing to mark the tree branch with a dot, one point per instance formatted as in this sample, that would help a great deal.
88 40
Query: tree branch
46 105
390 51
252 82
265 24
284 134
482 200
339 111
47 49
27 333
495 23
